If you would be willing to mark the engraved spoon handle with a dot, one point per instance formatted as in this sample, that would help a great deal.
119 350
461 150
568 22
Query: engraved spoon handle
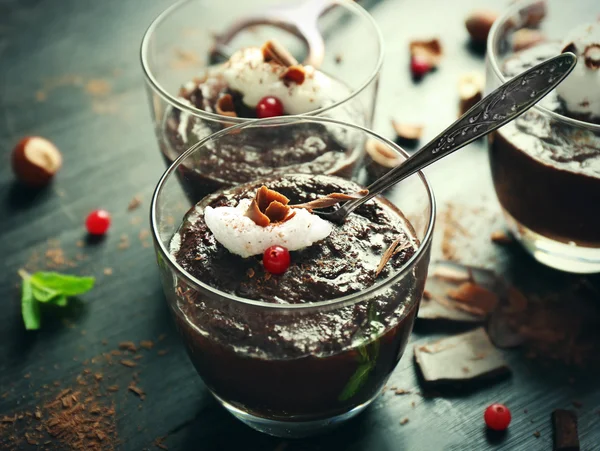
492 112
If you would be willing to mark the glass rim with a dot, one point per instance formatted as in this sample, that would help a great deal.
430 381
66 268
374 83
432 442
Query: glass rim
174 101
492 58
343 300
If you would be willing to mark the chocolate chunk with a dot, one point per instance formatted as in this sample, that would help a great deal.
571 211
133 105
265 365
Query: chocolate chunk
565 430
455 292
460 358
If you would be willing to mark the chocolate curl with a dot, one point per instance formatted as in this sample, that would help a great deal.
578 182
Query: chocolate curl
272 50
330 200
269 207
256 215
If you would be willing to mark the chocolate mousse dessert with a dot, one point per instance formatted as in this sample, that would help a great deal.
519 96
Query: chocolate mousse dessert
546 169
263 242
259 83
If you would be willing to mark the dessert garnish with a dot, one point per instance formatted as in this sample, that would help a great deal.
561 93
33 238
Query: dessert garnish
271 71
419 66
392 250
409 132
272 50
581 89
269 106
368 352
98 222
35 160
225 106
497 417
330 200
48 288
425 56
267 220
269 207
276 259
478 24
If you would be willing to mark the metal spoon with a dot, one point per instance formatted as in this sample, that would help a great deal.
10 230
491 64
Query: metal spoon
498 108
299 19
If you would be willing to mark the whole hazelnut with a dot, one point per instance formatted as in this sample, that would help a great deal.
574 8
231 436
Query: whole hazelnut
479 23
35 160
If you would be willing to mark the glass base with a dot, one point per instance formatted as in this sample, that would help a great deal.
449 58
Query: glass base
562 256
293 429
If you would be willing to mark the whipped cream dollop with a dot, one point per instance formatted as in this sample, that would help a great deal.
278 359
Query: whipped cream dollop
247 72
580 91
242 236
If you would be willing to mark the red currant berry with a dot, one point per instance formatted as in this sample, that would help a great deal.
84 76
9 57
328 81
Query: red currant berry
419 66
269 106
276 259
98 222
497 417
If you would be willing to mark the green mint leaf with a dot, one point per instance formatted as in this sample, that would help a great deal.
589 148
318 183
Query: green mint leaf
358 379
60 301
363 355
64 284
30 309
43 294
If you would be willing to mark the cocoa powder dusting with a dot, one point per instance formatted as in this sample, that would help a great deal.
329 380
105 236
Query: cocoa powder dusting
80 418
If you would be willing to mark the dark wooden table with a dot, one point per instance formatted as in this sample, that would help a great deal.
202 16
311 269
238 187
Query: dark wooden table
70 72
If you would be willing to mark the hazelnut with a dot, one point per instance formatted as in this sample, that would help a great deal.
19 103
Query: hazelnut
526 37
470 89
35 160
409 132
479 23
382 154
428 52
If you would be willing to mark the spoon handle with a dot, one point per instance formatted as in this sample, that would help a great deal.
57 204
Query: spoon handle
492 112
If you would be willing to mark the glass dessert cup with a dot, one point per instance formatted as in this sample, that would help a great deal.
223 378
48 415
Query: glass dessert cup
294 369
545 165
178 48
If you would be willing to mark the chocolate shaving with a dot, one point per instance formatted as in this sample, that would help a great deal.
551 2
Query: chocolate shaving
591 56
410 132
294 74
330 200
429 51
137 390
272 50
269 207
225 106
389 253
